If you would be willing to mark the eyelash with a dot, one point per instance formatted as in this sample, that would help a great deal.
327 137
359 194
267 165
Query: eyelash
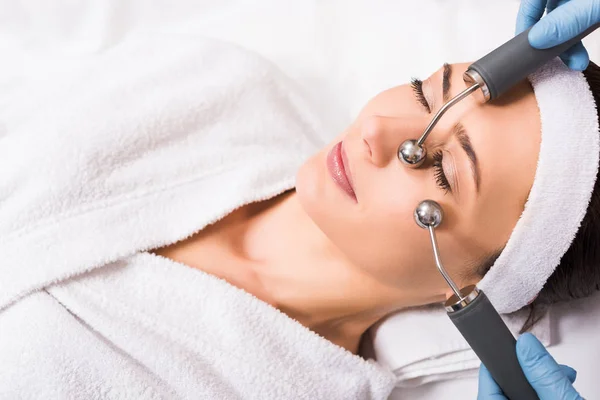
437 157
417 86
438 172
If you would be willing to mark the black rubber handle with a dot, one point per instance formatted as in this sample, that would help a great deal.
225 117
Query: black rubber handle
489 337
512 62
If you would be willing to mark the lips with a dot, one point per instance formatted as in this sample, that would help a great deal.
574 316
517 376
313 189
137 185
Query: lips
337 163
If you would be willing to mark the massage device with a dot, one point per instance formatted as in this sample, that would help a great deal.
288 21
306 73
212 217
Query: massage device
469 308
477 320
494 74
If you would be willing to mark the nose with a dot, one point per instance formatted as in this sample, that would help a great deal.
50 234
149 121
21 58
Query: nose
383 135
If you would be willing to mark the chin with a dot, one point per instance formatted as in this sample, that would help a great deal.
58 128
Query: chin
309 185
316 193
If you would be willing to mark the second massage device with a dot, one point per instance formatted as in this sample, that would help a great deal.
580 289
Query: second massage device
469 308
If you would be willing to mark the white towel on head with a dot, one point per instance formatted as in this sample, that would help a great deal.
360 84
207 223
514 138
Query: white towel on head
564 180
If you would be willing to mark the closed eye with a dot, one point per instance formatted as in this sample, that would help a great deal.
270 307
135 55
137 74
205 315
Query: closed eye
438 172
417 87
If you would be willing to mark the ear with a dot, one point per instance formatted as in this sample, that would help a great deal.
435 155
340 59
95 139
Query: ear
447 294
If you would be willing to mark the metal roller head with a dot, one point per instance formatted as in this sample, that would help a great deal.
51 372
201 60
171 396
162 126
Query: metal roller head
428 214
411 153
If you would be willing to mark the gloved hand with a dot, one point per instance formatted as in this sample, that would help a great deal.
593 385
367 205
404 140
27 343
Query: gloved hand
565 19
549 379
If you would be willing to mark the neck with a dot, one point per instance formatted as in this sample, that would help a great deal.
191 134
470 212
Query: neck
299 271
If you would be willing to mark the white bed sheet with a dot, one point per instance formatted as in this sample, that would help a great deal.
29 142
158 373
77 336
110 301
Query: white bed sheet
341 52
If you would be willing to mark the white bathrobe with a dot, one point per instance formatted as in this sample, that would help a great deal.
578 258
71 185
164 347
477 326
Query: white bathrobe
105 156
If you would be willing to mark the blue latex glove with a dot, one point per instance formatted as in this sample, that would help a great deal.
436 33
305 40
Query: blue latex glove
565 19
549 379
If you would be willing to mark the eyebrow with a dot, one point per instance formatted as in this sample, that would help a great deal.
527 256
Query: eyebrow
465 142
446 82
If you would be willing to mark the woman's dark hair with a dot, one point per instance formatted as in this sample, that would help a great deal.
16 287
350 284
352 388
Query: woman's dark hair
578 273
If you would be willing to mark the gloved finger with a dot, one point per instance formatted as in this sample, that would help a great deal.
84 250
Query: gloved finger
488 388
552 4
564 23
569 372
542 371
530 12
576 57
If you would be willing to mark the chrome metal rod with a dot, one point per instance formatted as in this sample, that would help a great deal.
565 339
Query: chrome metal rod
439 265
445 108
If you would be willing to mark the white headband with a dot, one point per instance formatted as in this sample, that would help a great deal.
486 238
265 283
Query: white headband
565 177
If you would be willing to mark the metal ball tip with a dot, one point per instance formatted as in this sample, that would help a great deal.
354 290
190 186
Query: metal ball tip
411 153
428 213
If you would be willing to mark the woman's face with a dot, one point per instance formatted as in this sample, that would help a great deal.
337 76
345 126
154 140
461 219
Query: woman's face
481 165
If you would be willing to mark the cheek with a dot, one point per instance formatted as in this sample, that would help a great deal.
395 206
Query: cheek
388 243
379 237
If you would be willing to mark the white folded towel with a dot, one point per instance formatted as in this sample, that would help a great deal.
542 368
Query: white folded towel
422 345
